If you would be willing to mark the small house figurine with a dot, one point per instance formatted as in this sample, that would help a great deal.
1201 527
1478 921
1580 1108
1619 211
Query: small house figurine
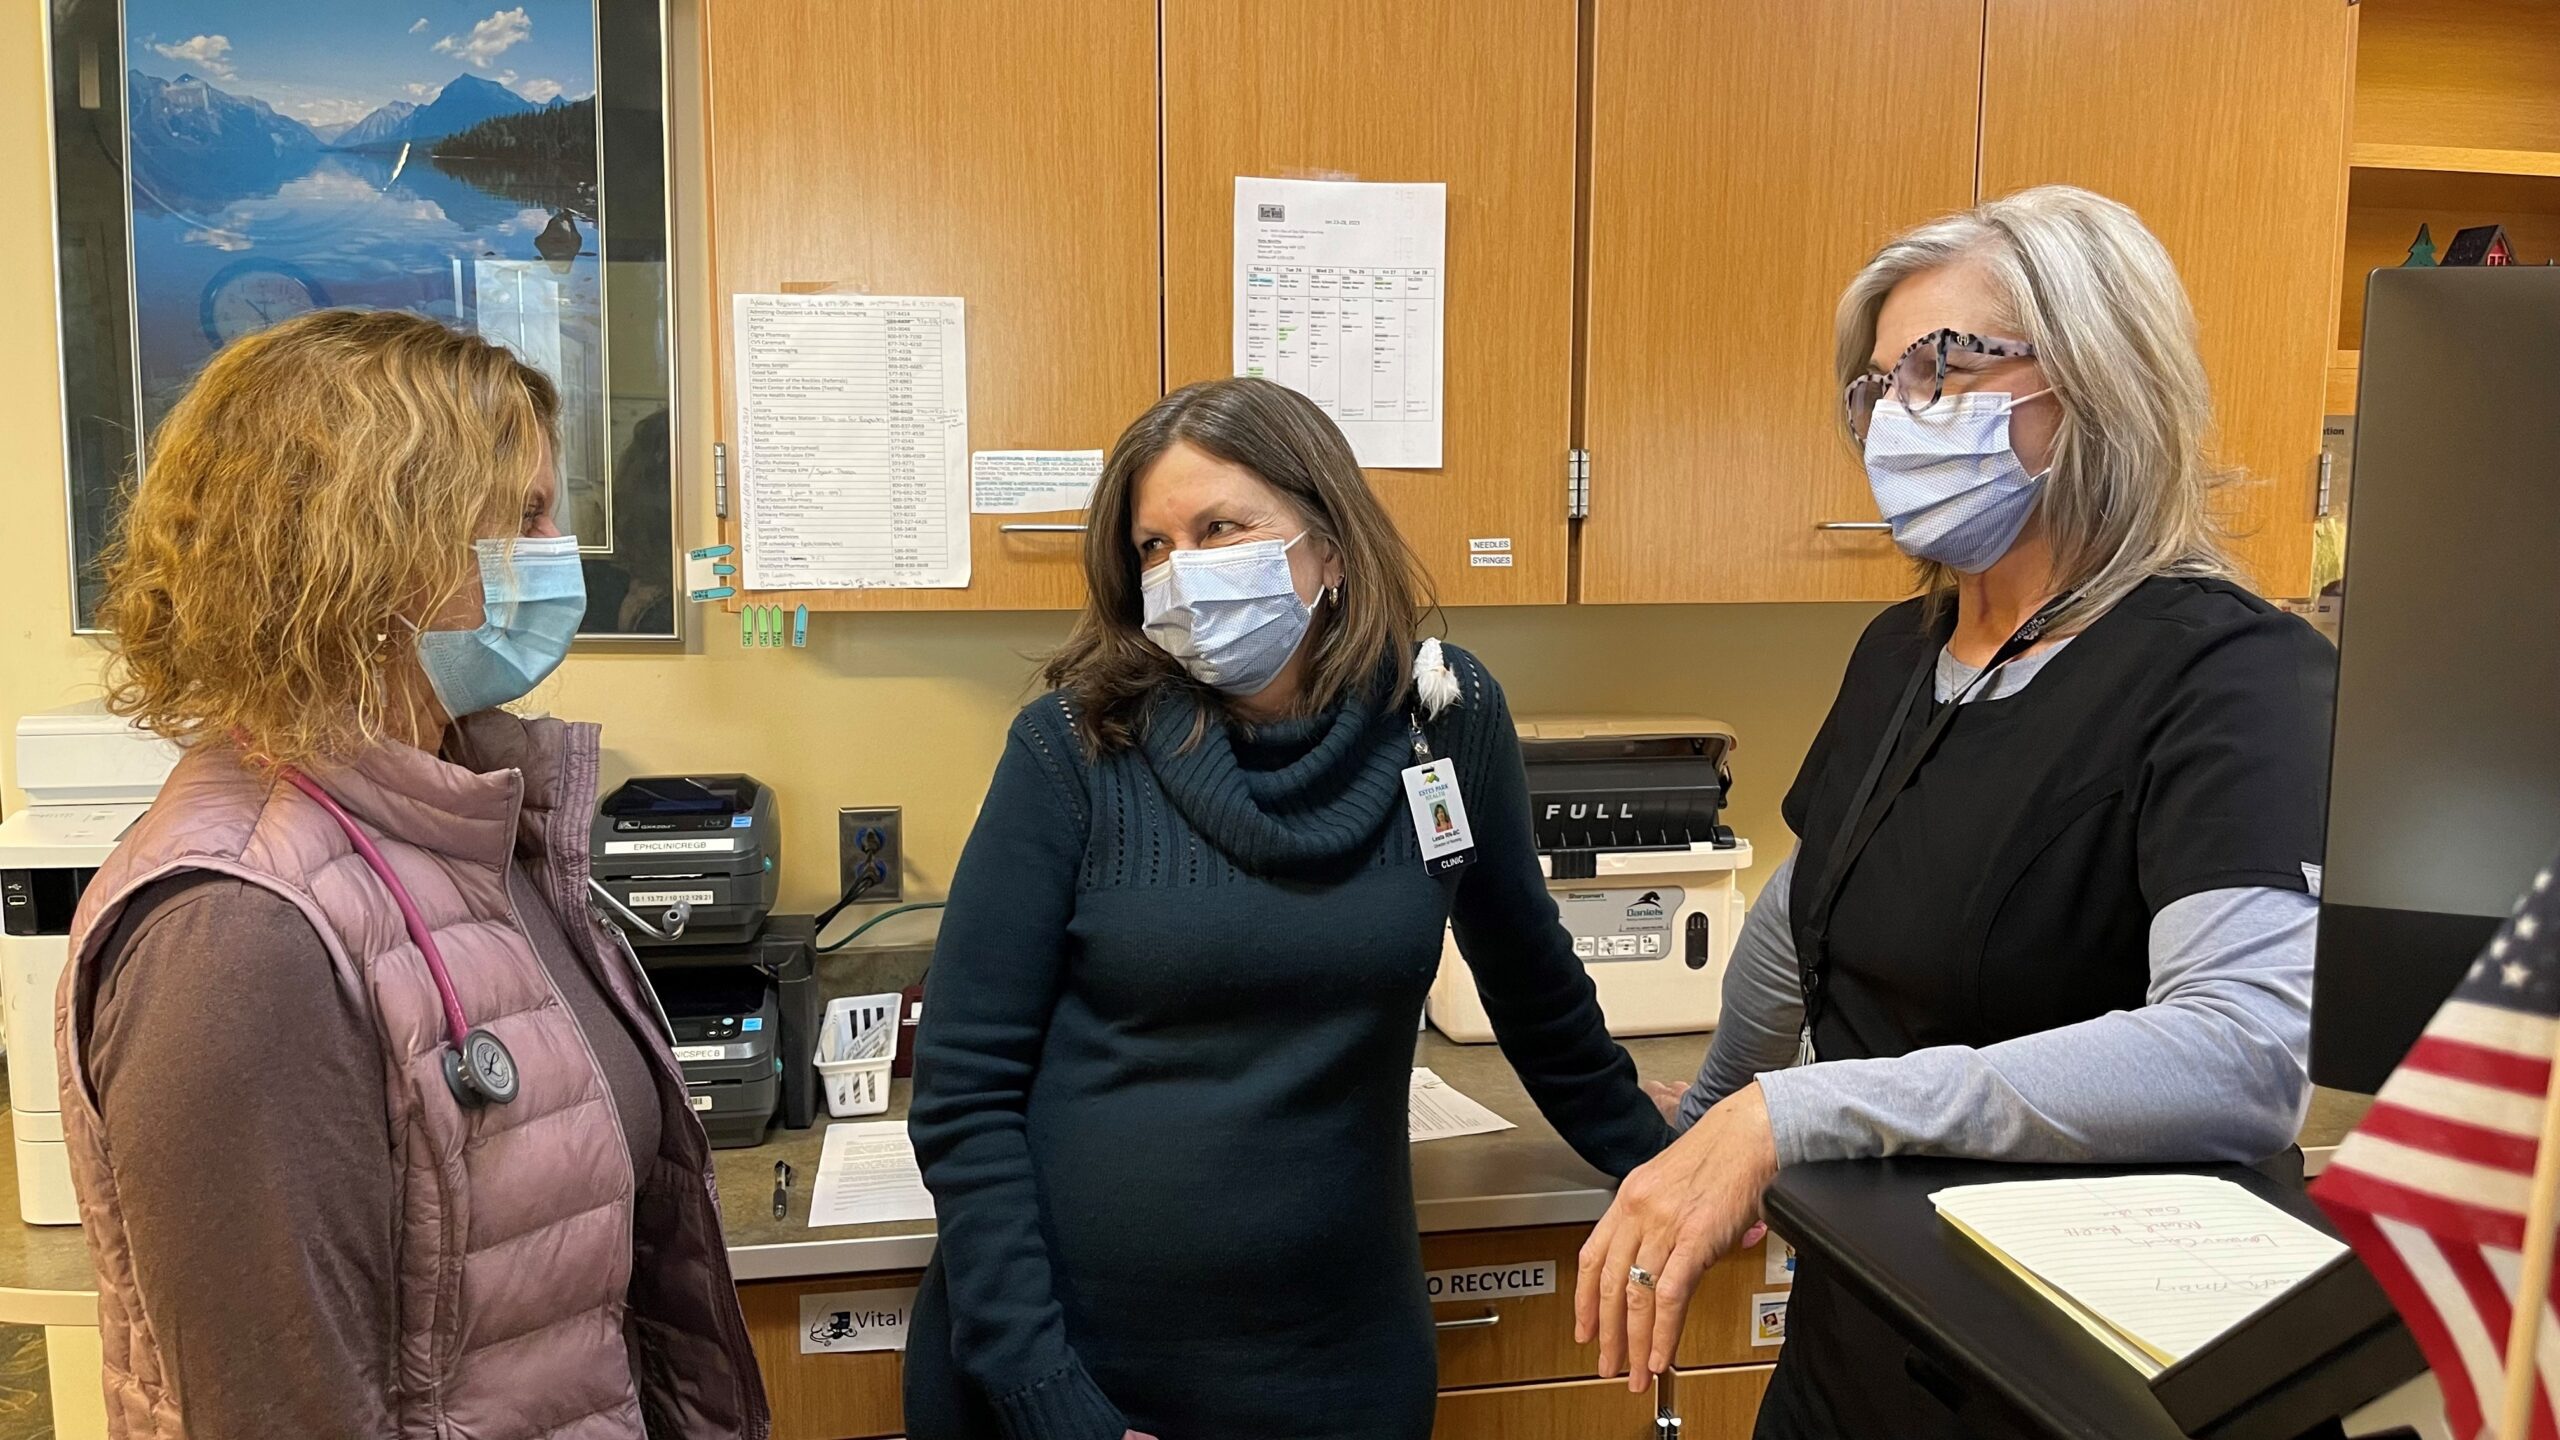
2422 252
2480 245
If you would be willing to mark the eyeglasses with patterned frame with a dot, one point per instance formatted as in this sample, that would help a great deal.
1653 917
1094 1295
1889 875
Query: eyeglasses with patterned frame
1919 378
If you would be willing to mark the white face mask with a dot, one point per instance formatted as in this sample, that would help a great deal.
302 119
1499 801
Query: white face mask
1947 479
1232 616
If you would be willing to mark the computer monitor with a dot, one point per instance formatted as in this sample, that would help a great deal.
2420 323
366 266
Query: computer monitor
2444 782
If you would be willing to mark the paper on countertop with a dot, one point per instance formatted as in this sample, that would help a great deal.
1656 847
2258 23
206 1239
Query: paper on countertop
1339 294
2166 1262
853 442
867 1175
1434 1111
1032 482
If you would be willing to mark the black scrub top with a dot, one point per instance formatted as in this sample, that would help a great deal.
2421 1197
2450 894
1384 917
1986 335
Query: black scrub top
2180 744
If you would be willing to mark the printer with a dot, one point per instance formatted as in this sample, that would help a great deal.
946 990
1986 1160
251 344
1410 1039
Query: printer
88 776
711 842
1645 874
689 866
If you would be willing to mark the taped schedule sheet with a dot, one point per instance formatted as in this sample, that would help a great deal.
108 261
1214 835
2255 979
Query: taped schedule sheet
1338 295
853 442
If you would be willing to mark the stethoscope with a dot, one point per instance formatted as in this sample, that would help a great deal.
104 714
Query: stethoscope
477 1066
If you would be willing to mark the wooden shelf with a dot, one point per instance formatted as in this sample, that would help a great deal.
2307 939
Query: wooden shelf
2342 381
2370 155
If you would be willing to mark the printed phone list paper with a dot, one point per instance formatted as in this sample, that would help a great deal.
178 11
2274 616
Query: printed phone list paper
853 442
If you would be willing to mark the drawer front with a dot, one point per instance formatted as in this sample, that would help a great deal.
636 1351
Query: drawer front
1498 1339
823 1397
1725 1318
1574 1410
1711 1404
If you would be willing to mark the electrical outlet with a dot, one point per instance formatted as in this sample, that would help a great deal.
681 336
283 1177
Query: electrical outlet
870 840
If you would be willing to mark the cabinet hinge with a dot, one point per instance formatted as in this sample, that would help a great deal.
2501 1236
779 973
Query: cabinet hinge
1577 484
719 480
2320 510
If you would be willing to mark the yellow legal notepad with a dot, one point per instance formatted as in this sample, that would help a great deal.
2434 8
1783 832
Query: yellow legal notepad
2155 1266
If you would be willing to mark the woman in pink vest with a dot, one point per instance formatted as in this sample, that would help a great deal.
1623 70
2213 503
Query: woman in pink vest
375 1128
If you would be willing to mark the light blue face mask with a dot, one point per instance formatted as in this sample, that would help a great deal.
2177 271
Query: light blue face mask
1232 616
1948 481
534 593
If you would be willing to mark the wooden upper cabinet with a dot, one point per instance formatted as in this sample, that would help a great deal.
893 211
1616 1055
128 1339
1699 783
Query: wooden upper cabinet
2225 125
1747 156
1478 95
1001 152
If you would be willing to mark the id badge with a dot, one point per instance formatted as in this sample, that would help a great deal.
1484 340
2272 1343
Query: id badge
1439 817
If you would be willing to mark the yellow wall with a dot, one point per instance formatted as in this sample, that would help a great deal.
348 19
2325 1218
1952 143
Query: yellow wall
905 710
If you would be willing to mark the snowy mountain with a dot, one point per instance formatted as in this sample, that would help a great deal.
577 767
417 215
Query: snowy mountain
388 125
189 116
465 101
190 138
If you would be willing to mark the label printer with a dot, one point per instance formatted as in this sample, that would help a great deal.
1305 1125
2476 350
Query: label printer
691 865
1627 815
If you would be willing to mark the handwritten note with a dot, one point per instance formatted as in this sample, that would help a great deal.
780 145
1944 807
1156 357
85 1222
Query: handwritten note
2166 1262
1433 1111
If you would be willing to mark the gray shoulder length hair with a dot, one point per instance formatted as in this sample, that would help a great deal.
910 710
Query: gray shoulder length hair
2083 280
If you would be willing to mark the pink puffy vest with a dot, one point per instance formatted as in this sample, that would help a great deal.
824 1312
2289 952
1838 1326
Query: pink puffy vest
527 1236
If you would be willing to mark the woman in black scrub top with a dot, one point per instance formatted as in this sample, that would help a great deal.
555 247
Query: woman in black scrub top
2059 838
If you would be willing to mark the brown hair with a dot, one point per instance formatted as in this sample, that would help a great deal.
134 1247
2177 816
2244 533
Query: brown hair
318 485
1111 669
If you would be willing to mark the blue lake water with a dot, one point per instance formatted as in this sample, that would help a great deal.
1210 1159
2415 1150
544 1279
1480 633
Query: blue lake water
330 228
346 229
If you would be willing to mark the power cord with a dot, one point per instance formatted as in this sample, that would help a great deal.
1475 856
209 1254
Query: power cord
857 932
863 884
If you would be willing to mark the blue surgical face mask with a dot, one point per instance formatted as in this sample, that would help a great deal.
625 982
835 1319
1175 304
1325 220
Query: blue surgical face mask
1946 478
533 593
1232 616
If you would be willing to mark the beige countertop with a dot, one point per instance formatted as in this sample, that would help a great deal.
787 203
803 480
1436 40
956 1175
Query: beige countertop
1524 1176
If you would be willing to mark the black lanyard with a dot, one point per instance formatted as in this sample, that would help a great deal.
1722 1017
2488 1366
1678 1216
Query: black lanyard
1876 793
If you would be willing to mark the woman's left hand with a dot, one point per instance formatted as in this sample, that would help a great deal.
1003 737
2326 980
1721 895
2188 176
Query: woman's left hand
1676 1215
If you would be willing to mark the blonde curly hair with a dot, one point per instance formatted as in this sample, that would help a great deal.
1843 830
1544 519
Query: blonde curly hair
313 495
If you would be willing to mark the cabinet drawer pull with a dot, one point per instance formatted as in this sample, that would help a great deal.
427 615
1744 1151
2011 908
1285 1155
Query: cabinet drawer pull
1485 1321
1853 525
1040 529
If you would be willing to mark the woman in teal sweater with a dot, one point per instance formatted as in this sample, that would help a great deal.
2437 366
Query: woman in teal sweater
1160 1087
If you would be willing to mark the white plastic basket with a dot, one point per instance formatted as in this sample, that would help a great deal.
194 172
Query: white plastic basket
857 1043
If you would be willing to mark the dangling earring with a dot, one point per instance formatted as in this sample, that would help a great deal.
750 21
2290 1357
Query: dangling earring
1333 595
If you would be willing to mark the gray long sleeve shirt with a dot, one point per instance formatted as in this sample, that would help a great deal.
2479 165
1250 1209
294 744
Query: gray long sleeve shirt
2212 1065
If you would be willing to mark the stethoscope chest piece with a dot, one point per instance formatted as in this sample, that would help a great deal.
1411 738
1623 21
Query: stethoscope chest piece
480 1071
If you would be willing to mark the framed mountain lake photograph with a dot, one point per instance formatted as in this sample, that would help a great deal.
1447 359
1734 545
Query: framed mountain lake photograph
497 165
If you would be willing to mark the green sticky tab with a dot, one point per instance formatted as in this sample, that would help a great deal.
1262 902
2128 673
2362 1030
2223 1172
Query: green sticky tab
747 625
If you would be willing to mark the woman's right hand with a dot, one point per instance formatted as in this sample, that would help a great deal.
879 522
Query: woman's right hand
1136 1435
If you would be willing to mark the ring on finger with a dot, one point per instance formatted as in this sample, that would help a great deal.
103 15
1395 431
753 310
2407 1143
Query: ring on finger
1638 1275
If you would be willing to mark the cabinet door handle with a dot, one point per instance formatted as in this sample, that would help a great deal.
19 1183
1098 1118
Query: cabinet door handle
1485 1321
1853 525
1040 529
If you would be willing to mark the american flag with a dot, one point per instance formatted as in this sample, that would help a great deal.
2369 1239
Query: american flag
2431 1188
